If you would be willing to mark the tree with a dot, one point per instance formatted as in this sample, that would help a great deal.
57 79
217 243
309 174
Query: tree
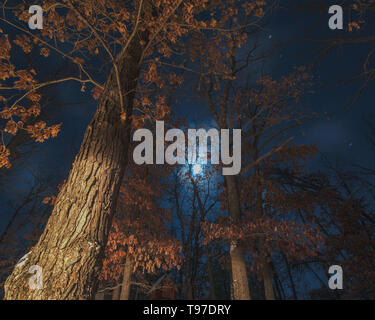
219 70
266 111
348 224
140 240
193 198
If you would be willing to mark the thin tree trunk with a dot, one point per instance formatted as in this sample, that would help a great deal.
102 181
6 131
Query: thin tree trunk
239 273
295 297
189 288
136 293
280 286
278 293
126 279
265 265
210 276
267 279
116 293
180 285
231 289
71 248
99 295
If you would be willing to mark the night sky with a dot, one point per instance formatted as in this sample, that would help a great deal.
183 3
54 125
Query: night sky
338 129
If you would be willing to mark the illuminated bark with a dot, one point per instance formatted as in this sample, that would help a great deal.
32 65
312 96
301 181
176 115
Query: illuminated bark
126 280
239 273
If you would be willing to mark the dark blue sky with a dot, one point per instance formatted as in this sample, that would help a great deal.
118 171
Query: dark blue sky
339 131
339 128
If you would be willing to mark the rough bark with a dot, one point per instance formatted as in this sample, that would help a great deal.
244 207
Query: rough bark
126 279
71 248
239 273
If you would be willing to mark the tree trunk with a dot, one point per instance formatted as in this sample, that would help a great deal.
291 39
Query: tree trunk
265 265
210 276
231 290
267 279
189 287
71 248
239 273
295 297
99 295
126 279
116 293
